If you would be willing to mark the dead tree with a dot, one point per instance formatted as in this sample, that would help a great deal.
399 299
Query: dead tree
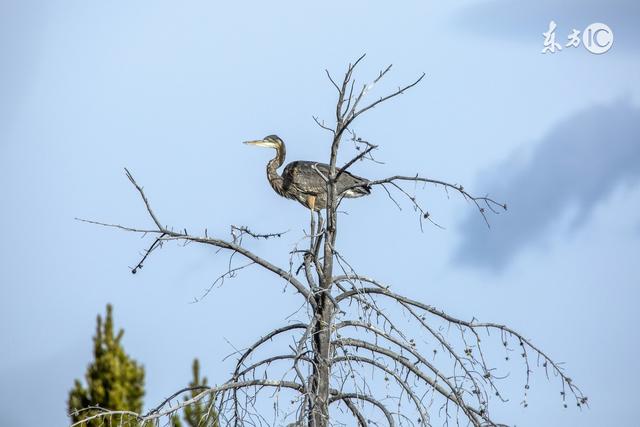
350 355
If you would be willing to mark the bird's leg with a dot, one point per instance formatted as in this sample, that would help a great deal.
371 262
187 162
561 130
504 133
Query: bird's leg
310 256
312 231
316 235
319 235
311 203
315 247
320 223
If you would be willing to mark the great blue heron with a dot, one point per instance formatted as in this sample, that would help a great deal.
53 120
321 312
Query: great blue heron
306 181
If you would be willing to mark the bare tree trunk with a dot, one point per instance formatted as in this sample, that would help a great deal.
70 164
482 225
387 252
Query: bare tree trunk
324 310
324 314
322 367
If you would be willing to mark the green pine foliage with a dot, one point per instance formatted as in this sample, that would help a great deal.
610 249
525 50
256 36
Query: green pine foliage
113 380
201 413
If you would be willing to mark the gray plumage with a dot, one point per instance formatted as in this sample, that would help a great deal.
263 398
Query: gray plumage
306 181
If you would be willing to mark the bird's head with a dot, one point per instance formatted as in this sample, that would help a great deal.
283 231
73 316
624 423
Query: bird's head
271 141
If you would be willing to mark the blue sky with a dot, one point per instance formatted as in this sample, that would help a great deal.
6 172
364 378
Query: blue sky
170 90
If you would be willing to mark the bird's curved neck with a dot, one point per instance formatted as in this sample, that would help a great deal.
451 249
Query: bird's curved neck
275 179
278 160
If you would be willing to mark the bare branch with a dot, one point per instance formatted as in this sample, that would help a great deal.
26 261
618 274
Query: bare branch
362 422
369 399
469 411
144 198
481 202
370 147
322 125
155 415
167 234
424 418
238 231
400 91
263 340
473 326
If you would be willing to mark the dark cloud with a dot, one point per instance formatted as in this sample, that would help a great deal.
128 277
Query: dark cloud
526 20
575 166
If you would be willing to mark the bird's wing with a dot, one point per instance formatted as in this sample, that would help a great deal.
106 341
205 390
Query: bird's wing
311 177
306 177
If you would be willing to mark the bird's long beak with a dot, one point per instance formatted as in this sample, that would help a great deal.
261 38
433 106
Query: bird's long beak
258 143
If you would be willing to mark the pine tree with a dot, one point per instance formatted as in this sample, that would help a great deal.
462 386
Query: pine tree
114 380
201 413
